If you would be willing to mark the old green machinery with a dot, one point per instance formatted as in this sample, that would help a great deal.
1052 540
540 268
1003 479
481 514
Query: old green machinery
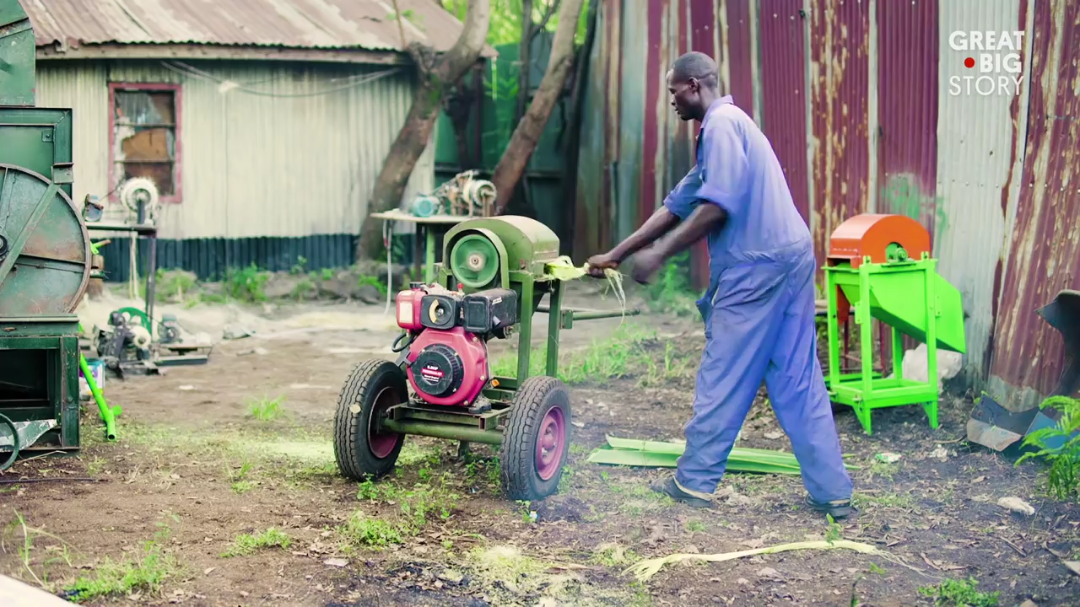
494 276
880 265
44 257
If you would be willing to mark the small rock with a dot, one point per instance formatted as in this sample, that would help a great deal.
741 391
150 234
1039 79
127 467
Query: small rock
208 570
1028 603
742 581
243 593
236 332
773 435
336 562
187 387
451 577
1016 504
368 294
940 453
770 573
255 351
1073 566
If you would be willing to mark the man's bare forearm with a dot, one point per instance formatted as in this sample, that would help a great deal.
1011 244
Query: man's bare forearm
706 218
654 228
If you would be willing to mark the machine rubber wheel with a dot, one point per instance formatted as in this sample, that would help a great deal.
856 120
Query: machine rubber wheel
536 439
362 452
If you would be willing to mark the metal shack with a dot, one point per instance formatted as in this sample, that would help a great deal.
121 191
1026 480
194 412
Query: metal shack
263 123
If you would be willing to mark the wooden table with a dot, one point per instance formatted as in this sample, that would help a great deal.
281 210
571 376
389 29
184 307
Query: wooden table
426 227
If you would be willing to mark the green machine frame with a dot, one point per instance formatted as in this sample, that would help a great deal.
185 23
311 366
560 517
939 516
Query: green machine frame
39 349
912 299
524 248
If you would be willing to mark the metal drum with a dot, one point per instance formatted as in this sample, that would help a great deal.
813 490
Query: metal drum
44 247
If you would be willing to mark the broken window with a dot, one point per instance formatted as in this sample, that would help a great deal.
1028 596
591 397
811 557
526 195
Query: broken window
145 137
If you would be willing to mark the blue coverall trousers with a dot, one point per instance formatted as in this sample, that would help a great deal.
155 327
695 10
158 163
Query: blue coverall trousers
759 325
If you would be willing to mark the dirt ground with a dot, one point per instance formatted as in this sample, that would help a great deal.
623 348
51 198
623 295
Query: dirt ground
193 471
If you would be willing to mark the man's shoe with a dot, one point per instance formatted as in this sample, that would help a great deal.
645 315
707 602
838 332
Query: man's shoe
670 487
838 509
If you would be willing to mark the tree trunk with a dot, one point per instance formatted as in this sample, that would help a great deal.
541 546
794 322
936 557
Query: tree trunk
522 144
524 60
435 79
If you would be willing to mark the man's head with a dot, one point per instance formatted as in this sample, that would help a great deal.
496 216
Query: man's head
693 82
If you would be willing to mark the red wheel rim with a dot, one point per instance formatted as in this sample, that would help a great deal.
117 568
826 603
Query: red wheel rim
381 443
550 441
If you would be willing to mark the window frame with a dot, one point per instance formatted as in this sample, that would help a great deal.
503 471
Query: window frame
177 195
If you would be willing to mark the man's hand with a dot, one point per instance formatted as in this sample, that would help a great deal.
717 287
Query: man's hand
646 264
598 263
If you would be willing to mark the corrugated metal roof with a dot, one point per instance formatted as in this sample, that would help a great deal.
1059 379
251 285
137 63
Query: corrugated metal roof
311 24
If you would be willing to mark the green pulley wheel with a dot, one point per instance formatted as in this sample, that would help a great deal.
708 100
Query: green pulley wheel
474 261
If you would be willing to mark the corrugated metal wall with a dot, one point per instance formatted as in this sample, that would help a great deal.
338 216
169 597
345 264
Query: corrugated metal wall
859 99
288 162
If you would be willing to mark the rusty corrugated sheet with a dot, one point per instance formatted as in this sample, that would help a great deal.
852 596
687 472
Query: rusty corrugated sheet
592 184
839 48
979 146
907 70
1042 257
363 24
783 83
737 62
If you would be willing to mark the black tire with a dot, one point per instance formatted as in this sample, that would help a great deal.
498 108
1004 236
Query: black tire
521 475
372 387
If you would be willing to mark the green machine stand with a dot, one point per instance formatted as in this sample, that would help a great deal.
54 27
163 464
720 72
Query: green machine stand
880 266
44 257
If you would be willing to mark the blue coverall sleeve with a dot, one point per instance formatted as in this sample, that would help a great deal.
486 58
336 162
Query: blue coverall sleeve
682 200
725 166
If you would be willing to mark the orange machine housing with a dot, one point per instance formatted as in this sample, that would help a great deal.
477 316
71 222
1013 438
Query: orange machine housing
870 236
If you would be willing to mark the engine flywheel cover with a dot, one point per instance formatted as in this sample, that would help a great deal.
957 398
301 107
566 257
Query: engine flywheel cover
438 370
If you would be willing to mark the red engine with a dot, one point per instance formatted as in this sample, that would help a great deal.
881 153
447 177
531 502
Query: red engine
447 361
448 367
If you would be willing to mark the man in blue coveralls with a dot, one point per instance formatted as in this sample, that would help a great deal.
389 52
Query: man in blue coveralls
759 307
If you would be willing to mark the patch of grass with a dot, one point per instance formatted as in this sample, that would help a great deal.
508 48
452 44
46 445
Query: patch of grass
621 355
245 544
265 409
695 526
671 367
363 530
508 565
246 284
613 555
883 470
1063 478
874 568
372 281
242 487
146 574
959 593
95 466
671 292
887 500
173 284
418 505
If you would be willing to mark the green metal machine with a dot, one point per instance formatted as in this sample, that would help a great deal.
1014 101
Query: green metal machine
880 266
44 257
495 275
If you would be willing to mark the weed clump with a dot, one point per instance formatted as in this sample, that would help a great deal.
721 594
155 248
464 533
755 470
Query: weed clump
246 544
959 593
1063 480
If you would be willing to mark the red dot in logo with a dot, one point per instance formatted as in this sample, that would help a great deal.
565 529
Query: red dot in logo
969 62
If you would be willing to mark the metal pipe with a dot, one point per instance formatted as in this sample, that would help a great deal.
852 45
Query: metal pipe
107 414
592 314
447 431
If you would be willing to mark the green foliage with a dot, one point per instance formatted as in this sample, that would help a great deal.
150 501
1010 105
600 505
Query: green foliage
248 543
1064 478
246 284
507 18
362 530
671 292
959 593
298 267
623 354
418 506
372 281
834 531
265 409
173 284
